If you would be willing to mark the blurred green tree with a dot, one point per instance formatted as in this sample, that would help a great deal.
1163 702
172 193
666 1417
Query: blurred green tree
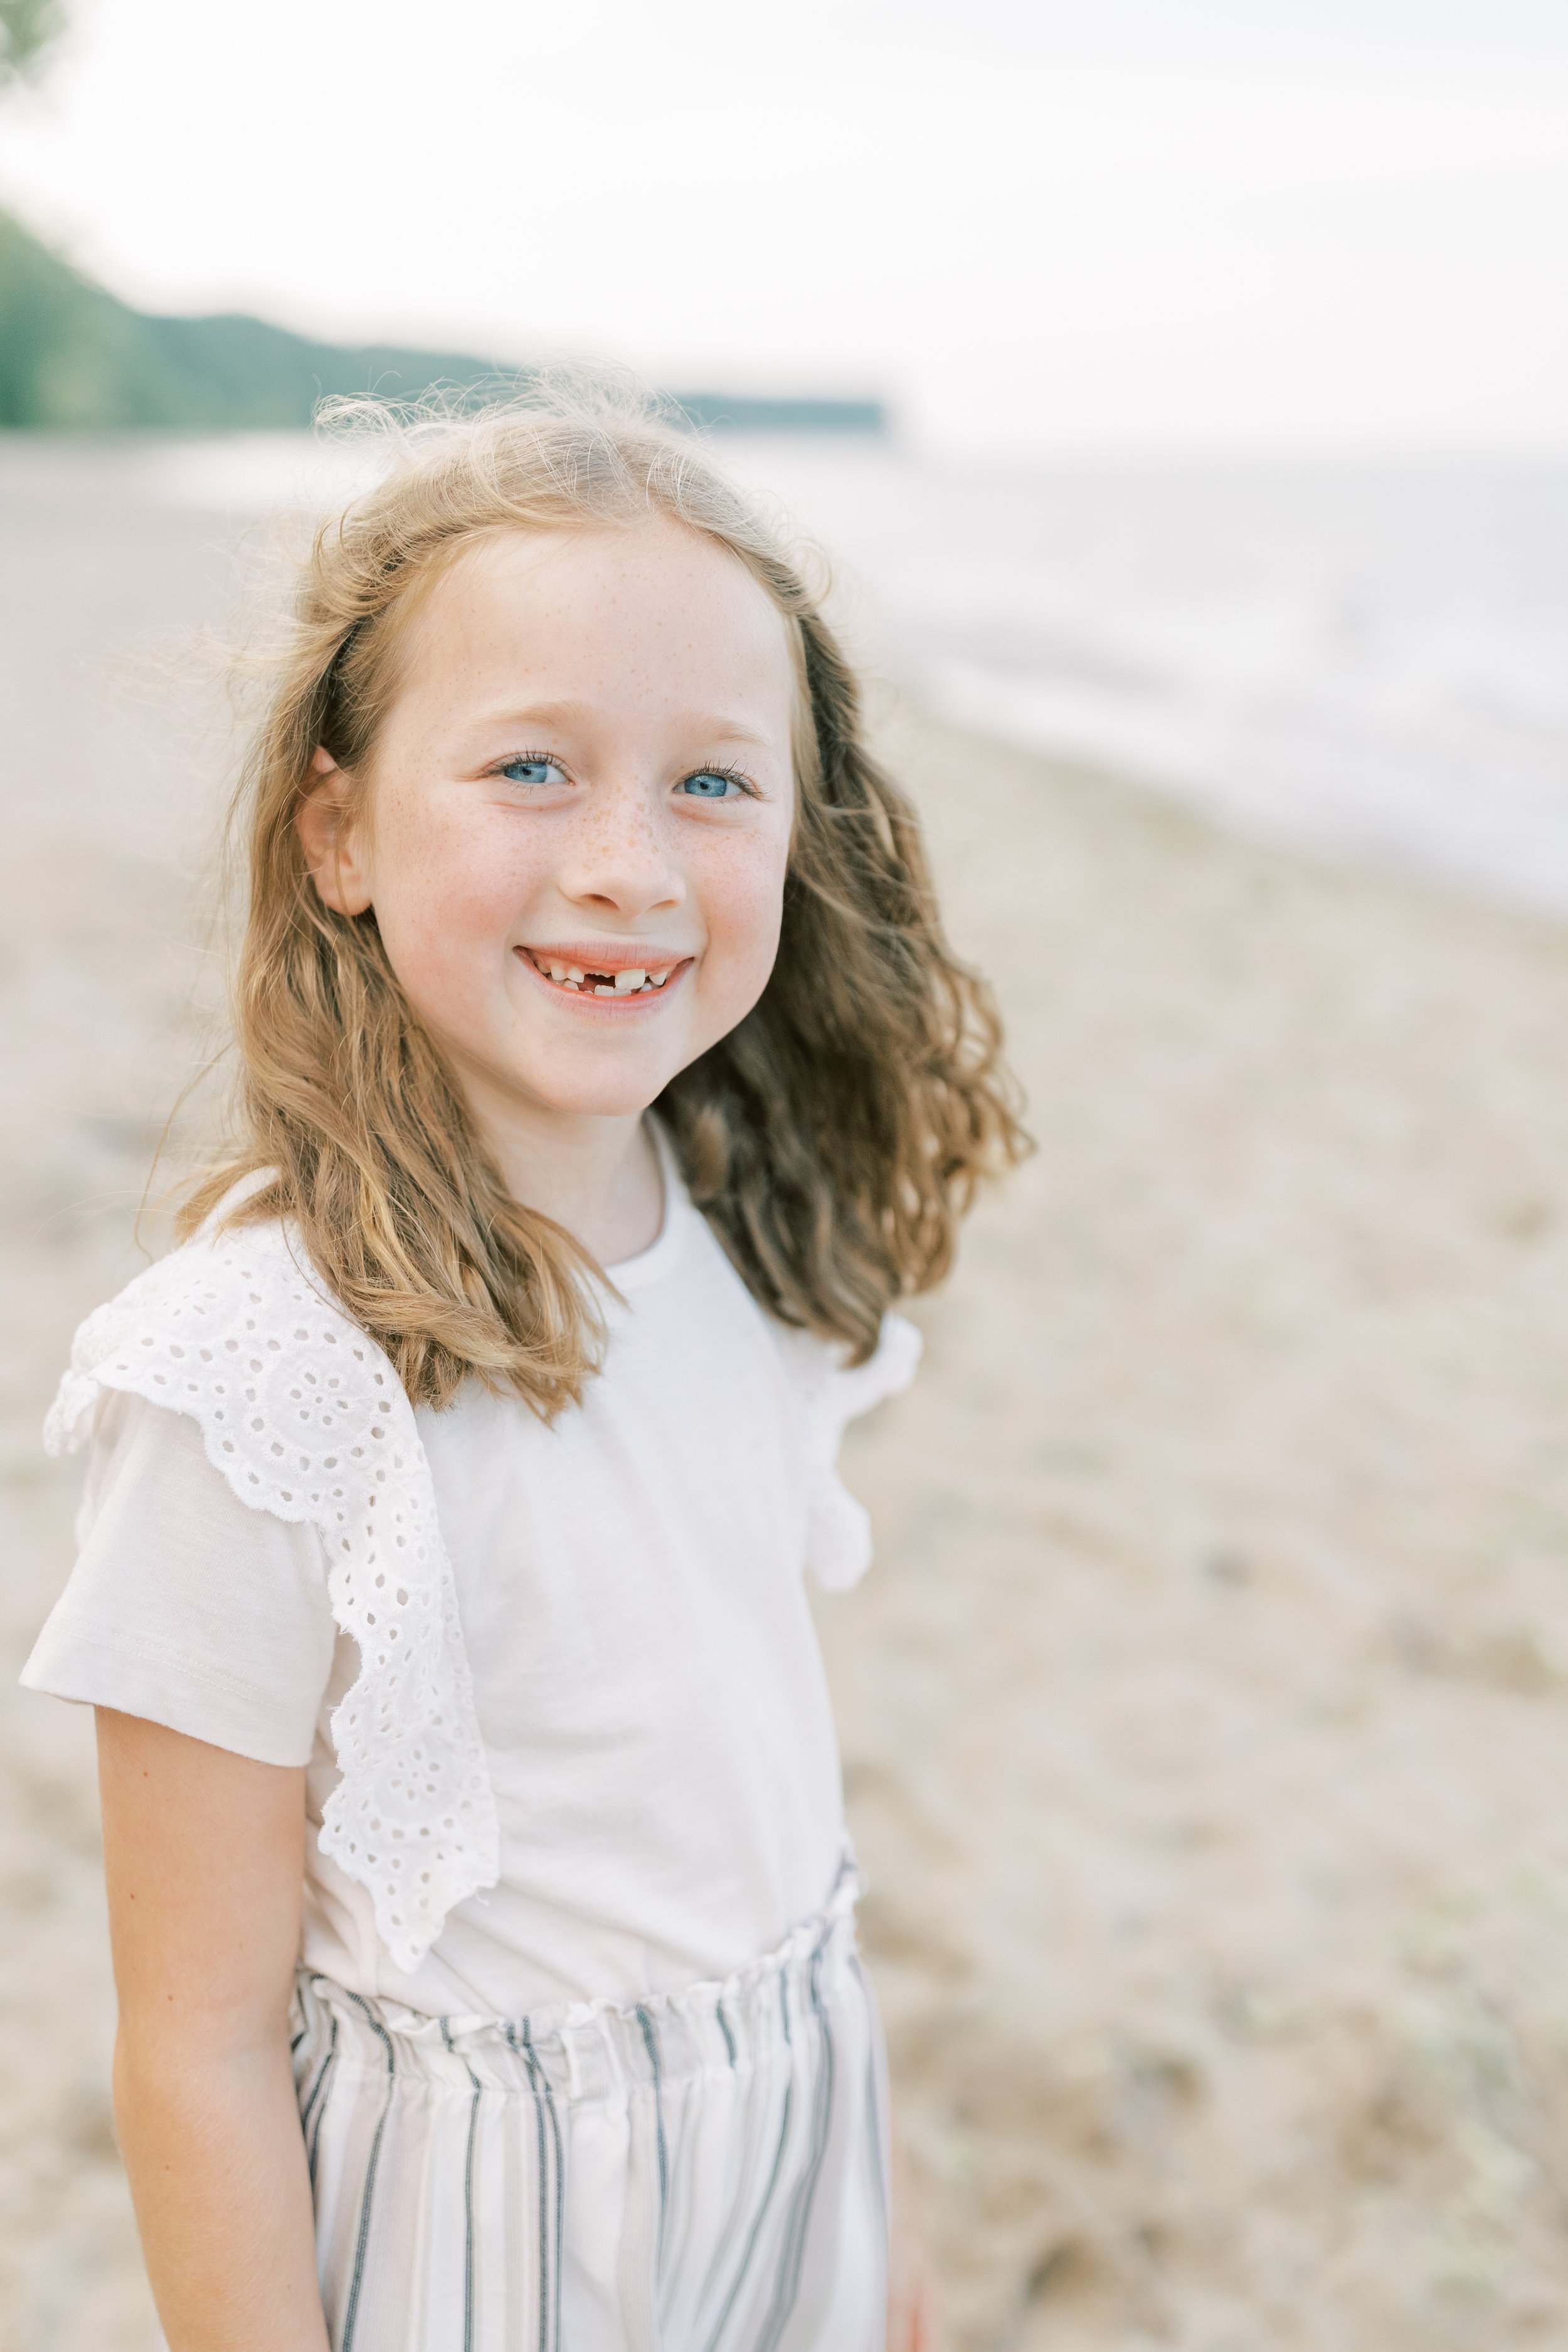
27 27
74 358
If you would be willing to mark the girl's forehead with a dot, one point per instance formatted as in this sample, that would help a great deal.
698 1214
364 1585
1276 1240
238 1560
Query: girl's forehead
649 573
653 600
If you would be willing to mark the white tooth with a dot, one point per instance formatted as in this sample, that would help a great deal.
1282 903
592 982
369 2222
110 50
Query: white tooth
573 984
557 972
574 974
602 988
627 981
659 978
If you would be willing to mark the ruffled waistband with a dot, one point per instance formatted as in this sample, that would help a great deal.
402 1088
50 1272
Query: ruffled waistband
583 2049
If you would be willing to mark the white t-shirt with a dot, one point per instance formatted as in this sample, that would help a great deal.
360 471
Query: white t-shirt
647 1682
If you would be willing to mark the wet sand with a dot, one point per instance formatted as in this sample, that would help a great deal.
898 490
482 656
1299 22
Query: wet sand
1205 1716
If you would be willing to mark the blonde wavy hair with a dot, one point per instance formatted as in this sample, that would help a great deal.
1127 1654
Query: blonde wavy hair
832 1140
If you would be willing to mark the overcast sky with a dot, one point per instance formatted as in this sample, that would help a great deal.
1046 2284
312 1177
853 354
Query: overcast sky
1134 225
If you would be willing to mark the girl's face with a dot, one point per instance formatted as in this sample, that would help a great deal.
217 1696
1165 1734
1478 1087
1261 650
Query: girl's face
578 813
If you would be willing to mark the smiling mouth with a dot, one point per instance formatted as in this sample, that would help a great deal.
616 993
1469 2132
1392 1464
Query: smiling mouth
583 979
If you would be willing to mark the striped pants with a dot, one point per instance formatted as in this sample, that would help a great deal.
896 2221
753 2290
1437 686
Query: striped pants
703 2172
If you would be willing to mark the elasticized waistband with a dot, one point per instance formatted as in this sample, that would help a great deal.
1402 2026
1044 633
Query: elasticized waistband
589 2049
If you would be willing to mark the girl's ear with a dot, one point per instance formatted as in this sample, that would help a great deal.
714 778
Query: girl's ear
329 837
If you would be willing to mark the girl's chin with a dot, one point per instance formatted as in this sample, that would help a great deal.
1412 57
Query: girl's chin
626 1105
625 1092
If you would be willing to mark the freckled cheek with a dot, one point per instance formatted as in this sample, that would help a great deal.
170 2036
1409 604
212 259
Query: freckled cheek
743 906
449 894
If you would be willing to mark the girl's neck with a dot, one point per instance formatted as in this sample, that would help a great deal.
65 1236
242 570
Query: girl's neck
598 1176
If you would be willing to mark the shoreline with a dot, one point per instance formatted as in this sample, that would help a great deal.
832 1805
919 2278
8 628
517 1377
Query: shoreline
1206 1718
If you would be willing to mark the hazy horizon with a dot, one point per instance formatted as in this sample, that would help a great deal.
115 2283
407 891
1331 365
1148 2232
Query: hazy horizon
1034 229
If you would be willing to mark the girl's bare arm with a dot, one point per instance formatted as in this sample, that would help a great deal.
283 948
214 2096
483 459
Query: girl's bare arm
916 2318
204 1854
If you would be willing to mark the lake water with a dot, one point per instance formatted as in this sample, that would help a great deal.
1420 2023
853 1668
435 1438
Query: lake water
1366 662
1370 662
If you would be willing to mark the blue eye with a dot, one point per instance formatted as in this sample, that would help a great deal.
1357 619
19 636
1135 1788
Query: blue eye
534 771
709 784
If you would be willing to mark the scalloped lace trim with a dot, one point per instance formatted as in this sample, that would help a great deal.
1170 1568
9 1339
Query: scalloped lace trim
306 1418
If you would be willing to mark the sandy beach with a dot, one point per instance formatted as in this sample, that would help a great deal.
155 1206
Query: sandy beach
1205 1716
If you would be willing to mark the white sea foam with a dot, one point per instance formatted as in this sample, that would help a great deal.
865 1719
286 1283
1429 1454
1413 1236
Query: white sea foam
1370 662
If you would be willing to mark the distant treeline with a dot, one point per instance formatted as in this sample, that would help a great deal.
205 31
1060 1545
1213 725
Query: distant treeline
73 358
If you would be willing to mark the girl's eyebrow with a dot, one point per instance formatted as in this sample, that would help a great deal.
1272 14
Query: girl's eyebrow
705 726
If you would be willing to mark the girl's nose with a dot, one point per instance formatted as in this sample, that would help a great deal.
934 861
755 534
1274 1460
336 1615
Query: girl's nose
619 860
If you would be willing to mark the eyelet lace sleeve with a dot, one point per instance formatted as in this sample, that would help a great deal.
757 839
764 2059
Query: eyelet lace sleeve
838 1541
306 1418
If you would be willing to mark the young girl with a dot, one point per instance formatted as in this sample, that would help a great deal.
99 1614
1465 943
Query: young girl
480 1902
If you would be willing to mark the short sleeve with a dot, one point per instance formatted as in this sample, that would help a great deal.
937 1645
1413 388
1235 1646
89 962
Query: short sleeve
186 1606
832 1394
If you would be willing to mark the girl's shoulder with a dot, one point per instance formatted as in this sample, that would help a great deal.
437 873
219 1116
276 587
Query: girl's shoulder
833 1390
235 1330
832 1393
305 1417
